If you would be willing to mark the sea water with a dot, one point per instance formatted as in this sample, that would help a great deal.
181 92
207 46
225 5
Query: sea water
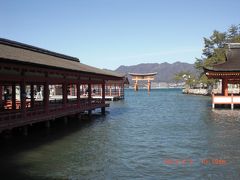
161 135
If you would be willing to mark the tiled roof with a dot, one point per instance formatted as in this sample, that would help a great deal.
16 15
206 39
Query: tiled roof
232 62
23 53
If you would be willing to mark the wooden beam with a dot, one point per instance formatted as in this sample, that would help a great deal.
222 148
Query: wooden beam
32 95
64 94
52 70
136 86
149 85
103 92
78 94
103 110
14 96
225 87
46 96
89 92
23 97
1 100
110 90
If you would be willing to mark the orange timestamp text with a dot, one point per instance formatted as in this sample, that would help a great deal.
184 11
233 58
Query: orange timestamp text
190 162
214 162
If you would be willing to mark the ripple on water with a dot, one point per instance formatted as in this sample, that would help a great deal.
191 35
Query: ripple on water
134 140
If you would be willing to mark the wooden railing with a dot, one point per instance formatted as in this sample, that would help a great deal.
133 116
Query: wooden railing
10 118
231 100
8 104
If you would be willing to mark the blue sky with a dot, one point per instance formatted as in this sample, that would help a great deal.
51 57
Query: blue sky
110 33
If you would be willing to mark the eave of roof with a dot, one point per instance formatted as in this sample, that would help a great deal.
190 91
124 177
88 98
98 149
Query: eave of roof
232 63
36 49
26 54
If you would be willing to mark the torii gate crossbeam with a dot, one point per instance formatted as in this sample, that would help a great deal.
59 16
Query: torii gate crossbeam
142 77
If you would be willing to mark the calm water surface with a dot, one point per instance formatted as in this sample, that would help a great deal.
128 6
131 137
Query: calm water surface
164 135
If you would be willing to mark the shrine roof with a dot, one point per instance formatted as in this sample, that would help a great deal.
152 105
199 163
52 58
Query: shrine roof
12 51
232 61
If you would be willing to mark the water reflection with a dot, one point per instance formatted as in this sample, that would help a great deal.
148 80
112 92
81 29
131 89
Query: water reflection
233 115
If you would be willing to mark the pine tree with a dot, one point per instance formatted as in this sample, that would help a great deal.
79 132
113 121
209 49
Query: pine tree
214 50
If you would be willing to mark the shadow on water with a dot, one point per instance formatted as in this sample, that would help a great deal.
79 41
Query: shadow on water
38 135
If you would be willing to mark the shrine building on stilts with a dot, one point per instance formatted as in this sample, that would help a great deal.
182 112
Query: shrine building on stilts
229 75
38 85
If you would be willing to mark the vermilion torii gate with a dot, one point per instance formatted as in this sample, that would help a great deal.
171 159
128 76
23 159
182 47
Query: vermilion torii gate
142 77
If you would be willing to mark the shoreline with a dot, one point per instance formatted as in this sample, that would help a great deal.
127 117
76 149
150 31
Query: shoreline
203 92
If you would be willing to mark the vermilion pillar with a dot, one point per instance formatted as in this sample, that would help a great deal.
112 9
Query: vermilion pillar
23 97
103 92
78 94
13 96
99 92
225 87
32 95
123 89
46 96
103 97
149 85
89 97
136 85
89 92
1 101
64 94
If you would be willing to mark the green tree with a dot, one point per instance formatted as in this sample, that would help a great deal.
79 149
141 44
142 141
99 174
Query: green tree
233 31
187 77
214 51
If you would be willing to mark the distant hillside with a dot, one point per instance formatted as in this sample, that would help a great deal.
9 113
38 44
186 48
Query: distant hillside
165 70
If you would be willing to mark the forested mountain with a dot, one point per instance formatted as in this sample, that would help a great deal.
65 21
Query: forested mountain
165 71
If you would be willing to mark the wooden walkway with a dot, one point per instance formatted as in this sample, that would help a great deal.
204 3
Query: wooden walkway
39 85
15 118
